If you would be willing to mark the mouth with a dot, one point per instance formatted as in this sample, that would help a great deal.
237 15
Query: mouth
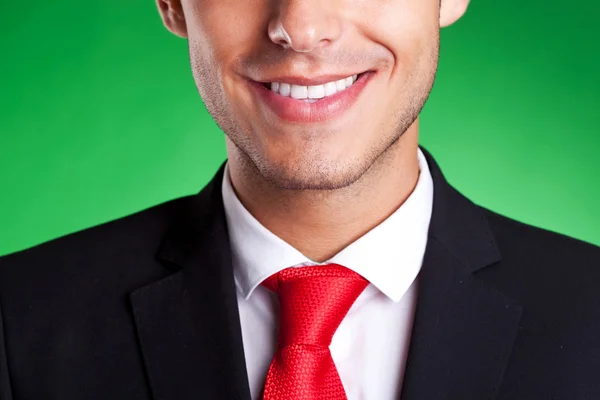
312 93
311 103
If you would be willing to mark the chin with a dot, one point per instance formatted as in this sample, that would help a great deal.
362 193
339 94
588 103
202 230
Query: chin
307 175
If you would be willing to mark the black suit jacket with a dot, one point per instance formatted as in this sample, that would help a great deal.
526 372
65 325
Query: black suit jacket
144 307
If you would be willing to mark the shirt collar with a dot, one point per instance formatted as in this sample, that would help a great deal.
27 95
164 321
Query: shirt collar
389 256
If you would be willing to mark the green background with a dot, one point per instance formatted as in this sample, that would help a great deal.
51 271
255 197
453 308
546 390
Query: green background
100 117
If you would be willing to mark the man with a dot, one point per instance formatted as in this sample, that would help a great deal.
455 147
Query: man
327 259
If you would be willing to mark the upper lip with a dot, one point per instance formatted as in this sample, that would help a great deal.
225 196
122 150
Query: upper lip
308 81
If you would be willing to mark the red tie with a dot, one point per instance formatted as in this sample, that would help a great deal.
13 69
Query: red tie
313 303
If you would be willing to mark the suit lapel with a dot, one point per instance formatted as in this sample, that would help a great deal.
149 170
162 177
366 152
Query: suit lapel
188 323
463 330
189 328
462 335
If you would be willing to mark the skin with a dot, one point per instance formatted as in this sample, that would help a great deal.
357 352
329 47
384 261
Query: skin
319 186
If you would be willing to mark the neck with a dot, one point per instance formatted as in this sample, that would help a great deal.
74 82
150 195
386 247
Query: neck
320 224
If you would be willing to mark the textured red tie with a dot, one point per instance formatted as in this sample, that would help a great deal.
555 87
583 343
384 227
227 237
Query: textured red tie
313 303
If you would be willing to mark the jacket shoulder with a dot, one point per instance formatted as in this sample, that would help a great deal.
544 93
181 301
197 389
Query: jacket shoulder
100 246
537 244
556 280
545 270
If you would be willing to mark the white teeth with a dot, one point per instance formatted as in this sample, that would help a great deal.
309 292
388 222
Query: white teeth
299 92
330 88
311 94
316 92
284 89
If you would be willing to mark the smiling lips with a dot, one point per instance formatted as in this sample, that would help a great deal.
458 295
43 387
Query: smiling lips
311 94
298 103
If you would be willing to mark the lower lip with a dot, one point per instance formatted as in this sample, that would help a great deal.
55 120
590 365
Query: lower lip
294 110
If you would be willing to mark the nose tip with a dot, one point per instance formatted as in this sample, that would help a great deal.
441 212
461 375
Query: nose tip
303 26
280 36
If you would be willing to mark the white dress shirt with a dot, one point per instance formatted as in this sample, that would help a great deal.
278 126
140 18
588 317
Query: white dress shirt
370 346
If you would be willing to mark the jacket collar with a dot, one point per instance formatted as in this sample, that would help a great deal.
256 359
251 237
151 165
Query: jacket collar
188 323
463 330
189 328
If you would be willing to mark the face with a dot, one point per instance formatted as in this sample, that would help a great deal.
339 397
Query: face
238 48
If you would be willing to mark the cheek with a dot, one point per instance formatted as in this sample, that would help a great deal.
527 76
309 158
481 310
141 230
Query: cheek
406 28
227 28
222 33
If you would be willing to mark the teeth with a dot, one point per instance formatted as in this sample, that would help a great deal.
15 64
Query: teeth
284 89
316 92
330 88
299 92
310 94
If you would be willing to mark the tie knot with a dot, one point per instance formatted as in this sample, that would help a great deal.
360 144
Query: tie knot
314 301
